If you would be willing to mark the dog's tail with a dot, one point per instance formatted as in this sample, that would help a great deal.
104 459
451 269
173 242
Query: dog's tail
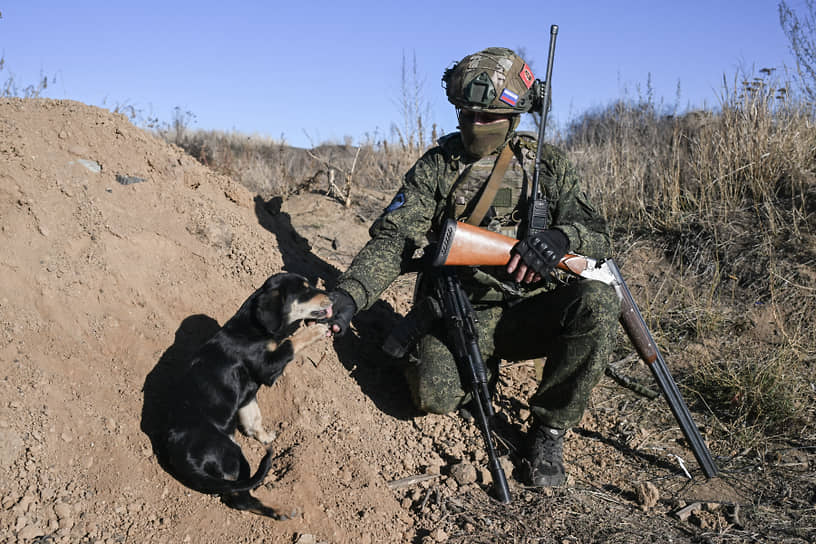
244 501
218 486
237 495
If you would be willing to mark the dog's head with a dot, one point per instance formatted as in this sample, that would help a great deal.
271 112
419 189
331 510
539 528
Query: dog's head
285 298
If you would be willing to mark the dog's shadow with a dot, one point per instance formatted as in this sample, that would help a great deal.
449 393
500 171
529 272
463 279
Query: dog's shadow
358 351
174 362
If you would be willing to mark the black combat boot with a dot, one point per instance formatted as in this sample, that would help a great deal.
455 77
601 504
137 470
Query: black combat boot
545 462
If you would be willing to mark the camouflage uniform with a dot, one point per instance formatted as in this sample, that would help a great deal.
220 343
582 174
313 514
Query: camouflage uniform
571 323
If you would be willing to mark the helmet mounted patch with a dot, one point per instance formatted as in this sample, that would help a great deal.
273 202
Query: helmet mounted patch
509 97
527 76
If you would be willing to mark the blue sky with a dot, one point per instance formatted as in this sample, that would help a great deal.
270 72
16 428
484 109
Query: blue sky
321 71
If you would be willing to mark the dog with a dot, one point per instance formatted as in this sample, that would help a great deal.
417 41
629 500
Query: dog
217 393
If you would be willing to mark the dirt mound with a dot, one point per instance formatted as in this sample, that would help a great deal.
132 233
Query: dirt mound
120 254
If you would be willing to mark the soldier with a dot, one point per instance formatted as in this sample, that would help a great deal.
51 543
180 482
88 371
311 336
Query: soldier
523 311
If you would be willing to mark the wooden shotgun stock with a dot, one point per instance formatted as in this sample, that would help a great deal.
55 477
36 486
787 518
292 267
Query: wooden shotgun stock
466 245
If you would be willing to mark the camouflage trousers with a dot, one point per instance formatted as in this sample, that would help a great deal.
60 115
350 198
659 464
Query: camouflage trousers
573 326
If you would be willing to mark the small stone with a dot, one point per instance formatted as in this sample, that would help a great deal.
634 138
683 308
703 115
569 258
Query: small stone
647 496
685 513
24 504
439 535
30 532
11 447
91 165
463 473
63 510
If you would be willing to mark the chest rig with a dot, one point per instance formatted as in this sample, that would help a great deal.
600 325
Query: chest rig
508 208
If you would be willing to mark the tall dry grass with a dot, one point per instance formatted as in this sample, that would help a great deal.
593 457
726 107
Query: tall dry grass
271 167
729 196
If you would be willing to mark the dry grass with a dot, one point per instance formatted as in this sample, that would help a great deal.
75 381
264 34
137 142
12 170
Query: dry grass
273 168
730 197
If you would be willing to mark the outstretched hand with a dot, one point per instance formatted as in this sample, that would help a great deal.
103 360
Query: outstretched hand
344 309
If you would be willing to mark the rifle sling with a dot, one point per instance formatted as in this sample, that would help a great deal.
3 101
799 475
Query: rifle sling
492 186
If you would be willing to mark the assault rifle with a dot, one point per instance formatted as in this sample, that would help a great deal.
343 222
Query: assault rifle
460 322
448 301
466 245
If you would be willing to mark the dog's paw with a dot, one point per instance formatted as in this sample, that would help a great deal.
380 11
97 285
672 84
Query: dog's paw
263 436
308 335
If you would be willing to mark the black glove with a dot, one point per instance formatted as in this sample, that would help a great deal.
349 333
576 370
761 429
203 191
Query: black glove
542 251
343 309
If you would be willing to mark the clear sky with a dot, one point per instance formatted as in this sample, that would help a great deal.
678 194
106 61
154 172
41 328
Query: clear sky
315 71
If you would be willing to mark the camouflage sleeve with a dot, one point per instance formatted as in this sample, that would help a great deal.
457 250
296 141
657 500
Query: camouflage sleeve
401 228
571 211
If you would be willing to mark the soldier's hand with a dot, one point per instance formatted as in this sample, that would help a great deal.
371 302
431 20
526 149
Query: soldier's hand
537 255
343 309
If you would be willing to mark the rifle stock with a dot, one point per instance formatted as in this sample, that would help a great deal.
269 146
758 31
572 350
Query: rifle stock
462 244
466 245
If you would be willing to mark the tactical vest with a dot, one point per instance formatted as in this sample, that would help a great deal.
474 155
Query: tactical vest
492 284
509 205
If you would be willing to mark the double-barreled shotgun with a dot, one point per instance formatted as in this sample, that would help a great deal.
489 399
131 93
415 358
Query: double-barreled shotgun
466 245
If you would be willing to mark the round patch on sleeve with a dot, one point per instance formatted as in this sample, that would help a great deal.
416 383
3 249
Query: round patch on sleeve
397 203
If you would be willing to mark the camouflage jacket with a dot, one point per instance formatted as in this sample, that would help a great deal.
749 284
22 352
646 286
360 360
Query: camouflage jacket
441 185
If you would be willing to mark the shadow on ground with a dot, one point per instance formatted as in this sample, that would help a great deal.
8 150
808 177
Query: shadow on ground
158 386
379 376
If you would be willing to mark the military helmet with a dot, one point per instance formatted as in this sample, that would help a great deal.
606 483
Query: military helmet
495 80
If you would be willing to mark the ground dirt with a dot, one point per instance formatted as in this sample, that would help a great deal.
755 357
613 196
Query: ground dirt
121 254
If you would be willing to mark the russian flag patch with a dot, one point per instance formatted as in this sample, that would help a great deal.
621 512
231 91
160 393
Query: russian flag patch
509 97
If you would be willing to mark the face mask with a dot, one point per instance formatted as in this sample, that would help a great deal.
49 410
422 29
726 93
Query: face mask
481 140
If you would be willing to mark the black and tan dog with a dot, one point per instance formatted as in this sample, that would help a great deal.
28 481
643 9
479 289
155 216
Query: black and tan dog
217 393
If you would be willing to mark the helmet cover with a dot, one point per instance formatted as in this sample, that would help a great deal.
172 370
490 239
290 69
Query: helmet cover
494 80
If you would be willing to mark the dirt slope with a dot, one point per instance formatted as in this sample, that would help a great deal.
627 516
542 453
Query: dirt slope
120 254
104 287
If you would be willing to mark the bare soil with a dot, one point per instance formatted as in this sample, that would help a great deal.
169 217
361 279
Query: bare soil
121 254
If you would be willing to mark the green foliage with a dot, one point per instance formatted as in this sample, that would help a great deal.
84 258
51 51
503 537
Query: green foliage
756 393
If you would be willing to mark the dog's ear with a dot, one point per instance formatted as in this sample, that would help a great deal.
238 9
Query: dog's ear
269 308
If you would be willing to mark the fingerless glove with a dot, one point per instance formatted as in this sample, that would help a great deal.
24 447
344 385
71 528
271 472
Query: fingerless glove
542 251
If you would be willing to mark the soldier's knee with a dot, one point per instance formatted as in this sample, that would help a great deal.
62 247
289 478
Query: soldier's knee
436 404
431 396
603 297
597 306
